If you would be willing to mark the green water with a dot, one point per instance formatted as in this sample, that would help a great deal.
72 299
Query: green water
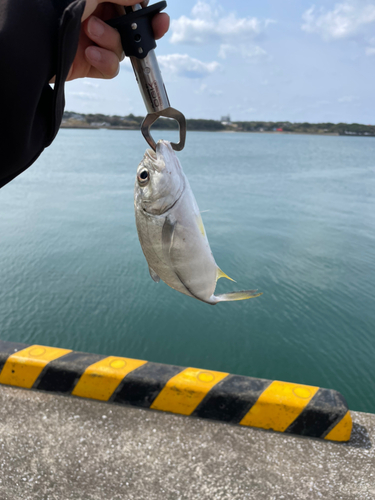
293 216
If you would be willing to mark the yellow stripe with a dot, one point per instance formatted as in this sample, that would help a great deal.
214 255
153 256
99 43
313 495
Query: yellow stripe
183 392
100 380
341 431
279 405
24 367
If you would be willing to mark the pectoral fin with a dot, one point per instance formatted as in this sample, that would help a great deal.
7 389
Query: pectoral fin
167 235
243 295
153 275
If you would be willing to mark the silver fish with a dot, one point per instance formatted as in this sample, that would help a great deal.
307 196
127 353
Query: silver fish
171 231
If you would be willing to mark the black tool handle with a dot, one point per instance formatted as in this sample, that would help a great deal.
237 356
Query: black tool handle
137 36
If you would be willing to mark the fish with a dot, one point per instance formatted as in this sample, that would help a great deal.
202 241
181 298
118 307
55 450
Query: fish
171 231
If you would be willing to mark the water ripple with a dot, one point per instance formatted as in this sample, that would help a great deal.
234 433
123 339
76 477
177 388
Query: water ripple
293 216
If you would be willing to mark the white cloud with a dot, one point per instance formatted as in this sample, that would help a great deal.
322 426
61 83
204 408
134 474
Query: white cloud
89 83
241 110
209 25
204 10
348 98
205 89
252 52
348 19
87 96
370 50
184 65
202 89
180 65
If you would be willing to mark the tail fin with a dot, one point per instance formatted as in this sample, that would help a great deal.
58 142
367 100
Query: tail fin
243 295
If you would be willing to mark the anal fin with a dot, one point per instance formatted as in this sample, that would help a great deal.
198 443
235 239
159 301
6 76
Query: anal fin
243 295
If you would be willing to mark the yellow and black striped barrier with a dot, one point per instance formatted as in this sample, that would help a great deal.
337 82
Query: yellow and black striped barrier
280 406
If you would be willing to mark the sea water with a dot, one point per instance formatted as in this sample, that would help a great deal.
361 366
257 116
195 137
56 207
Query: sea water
290 215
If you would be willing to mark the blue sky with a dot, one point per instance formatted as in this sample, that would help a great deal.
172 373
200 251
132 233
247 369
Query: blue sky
273 60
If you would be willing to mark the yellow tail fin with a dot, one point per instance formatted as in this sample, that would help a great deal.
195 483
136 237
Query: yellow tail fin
243 295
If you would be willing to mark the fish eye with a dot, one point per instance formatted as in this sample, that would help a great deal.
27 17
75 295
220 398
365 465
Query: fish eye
143 176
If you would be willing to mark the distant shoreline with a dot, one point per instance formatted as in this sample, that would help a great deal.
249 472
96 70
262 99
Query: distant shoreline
89 127
130 122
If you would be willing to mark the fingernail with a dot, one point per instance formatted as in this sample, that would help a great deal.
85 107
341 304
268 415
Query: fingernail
95 27
93 54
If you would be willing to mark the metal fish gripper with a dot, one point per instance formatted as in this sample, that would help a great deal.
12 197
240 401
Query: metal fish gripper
138 42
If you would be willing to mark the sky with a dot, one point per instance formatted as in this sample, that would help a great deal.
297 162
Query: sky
269 60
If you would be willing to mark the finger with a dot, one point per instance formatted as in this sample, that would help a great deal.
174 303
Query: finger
105 64
103 35
160 25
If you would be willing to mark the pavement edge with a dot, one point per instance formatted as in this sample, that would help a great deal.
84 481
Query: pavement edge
268 404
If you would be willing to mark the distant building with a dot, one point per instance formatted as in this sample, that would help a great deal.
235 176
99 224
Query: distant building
225 120
100 124
69 115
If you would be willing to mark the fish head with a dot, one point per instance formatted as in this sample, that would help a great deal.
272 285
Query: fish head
160 180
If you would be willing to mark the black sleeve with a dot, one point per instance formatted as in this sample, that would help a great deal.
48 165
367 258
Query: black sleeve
38 39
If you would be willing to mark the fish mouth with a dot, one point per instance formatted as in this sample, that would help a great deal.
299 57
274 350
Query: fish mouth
163 145
160 146
153 160
165 153
150 153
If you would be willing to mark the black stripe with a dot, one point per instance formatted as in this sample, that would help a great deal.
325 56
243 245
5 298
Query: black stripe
323 412
9 348
62 375
141 386
231 398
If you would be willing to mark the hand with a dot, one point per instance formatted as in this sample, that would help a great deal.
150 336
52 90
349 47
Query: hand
99 49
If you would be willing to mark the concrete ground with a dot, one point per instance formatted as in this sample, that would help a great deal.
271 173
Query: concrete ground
56 447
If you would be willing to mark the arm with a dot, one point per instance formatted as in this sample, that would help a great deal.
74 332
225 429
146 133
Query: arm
37 40
43 41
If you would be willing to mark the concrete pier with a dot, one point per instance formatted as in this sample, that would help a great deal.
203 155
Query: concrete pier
58 448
